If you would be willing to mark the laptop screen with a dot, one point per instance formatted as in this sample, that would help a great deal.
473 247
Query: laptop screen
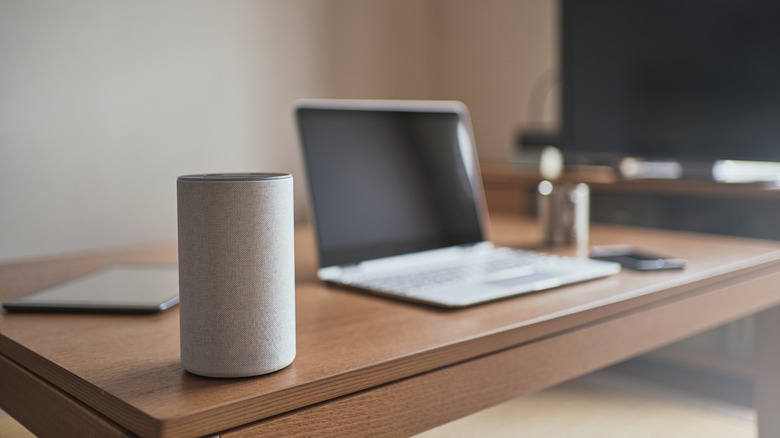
388 181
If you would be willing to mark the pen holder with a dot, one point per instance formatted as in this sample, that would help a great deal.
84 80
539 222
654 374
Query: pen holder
564 213
236 273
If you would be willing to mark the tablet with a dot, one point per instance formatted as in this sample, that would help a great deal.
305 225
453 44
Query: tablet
116 289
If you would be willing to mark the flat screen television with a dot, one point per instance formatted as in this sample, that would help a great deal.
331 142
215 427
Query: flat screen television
691 80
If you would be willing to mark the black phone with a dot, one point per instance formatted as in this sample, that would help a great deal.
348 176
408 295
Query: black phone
636 259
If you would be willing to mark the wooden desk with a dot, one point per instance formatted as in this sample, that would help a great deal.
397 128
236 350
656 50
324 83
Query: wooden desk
370 366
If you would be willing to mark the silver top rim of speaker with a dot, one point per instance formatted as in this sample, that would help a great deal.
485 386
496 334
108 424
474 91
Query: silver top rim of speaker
230 177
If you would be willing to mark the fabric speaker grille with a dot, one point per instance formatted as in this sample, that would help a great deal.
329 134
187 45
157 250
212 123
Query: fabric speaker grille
236 273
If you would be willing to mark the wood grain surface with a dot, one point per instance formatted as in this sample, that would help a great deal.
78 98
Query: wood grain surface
351 345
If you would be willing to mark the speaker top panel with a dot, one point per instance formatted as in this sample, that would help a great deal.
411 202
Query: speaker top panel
216 177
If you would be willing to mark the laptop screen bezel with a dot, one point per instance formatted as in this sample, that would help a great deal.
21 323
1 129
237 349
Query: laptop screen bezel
467 149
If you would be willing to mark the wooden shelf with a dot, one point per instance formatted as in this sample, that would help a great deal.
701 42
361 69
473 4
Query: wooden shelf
509 187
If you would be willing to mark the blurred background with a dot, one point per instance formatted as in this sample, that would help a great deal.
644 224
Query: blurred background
104 104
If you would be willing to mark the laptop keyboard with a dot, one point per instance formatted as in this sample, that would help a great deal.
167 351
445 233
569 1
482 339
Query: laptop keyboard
499 264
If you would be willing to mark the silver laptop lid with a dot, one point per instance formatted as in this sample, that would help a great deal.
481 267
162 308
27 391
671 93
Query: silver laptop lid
390 177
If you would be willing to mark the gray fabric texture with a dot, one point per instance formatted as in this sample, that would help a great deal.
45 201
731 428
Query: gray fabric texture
236 276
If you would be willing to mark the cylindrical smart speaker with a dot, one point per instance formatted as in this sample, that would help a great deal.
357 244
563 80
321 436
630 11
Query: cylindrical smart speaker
236 273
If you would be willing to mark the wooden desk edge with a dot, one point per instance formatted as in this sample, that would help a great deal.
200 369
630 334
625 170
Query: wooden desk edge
47 411
431 362
439 396
467 350
386 374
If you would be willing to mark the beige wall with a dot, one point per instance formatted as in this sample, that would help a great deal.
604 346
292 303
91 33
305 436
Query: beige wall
103 104
490 54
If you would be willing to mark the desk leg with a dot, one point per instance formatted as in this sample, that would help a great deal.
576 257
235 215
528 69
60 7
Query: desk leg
768 372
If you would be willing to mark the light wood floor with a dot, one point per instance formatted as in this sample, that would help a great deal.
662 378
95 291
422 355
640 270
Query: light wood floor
11 429
596 406
606 405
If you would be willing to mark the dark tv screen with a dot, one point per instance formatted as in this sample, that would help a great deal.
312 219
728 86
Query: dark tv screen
671 79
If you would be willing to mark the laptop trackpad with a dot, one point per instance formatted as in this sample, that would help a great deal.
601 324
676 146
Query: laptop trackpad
537 281
469 293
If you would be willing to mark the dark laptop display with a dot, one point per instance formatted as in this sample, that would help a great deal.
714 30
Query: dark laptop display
394 182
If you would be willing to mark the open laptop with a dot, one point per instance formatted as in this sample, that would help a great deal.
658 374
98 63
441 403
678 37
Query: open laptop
398 206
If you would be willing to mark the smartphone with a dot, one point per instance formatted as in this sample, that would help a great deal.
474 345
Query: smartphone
116 289
636 259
